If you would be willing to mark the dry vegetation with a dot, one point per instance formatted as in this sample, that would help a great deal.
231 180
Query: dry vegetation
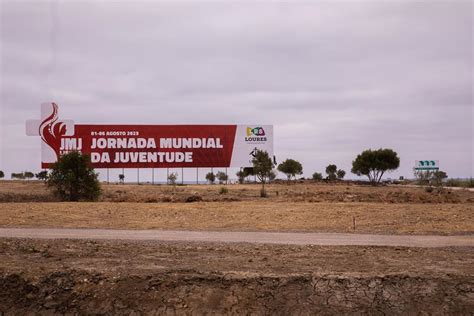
301 207
35 191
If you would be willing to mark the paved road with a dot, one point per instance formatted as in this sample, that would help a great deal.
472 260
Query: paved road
330 239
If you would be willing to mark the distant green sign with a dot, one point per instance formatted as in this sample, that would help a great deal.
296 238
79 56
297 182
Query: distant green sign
427 165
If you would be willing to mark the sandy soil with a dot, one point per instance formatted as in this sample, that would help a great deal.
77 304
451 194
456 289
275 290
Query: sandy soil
166 278
247 216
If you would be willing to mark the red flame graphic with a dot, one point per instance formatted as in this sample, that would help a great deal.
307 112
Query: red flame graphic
51 130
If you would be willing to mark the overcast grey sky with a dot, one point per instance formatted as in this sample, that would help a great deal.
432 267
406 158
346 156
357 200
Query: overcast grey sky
333 78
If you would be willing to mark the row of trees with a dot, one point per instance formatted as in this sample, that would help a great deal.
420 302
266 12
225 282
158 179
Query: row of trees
371 163
26 175
73 178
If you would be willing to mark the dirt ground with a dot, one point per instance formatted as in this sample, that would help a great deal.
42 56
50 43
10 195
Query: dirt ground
192 278
133 278
300 207
247 216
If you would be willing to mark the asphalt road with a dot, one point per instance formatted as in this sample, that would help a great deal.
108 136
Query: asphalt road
324 239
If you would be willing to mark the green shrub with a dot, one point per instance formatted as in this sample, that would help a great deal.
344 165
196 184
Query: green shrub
223 190
73 179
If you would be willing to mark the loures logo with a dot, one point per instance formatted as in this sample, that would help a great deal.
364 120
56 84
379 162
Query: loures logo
255 134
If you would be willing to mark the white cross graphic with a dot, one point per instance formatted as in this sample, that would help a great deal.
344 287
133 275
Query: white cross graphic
49 120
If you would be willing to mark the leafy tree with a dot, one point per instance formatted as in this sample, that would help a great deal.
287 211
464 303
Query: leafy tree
331 172
422 176
291 168
72 178
172 177
121 178
317 176
429 177
249 171
241 176
340 174
20 176
374 163
42 175
29 175
438 177
262 167
2 175
222 177
211 178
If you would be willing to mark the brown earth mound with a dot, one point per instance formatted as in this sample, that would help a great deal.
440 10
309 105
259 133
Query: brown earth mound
116 277
193 293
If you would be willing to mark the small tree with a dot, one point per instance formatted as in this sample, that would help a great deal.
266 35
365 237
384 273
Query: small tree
241 176
291 168
2 175
430 177
374 163
42 175
222 177
72 178
211 178
172 178
340 174
20 176
121 178
29 175
249 171
331 172
262 167
438 177
423 177
317 176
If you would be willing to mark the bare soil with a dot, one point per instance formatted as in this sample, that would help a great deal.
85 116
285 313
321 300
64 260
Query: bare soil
247 216
191 278
299 207
130 278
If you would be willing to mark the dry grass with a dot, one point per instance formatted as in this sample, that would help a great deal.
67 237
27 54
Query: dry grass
35 191
301 207
247 216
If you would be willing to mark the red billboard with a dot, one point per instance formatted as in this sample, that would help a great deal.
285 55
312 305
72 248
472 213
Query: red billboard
150 146
153 146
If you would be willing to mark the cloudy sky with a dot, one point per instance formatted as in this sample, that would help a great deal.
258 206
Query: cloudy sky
333 78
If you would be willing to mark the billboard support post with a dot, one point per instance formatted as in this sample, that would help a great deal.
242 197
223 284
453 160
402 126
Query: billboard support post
197 175
182 175
138 175
152 175
167 175
108 176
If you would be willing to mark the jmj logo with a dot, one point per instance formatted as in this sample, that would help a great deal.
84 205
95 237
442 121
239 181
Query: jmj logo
52 132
